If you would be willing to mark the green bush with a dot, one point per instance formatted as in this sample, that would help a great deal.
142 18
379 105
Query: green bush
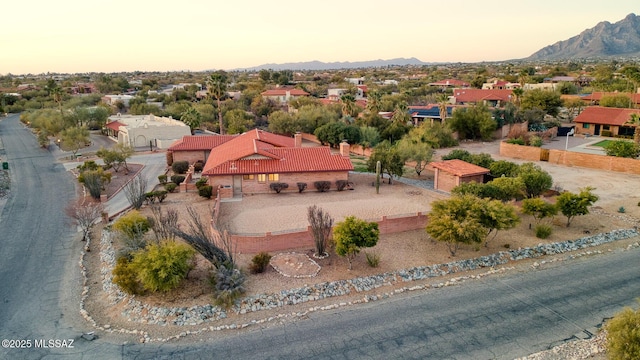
606 133
180 167
278 187
259 263
125 276
162 179
177 179
161 267
201 182
198 166
302 186
206 191
623 335
373 259
133 225
535 141
170 187
228 285
543 231
322 186
622 148
516 141
341 184
622 210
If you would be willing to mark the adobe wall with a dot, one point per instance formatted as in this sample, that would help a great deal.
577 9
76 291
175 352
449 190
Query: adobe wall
593 161
283 241
445 181
529 153
310 137
190 156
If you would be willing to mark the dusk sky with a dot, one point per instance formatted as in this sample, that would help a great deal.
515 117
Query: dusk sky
71 36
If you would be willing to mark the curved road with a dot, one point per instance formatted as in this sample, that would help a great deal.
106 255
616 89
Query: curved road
498 317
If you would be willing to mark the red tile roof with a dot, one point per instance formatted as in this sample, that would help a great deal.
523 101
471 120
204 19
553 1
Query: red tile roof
460 168
195 143
476 95
115 125
283 92
605 115
597 96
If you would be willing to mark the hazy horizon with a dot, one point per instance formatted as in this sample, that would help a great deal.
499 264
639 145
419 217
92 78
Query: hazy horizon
73 36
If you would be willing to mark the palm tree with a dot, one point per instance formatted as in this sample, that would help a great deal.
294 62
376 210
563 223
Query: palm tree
191 117
634 121
443 101
373 101
56 94
217 87
348 105
517 95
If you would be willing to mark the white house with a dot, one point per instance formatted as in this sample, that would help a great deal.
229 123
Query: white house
147 130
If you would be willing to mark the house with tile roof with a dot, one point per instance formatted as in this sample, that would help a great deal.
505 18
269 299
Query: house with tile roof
250 162
451 173
194 148
594 120
283 95
489 97
595 97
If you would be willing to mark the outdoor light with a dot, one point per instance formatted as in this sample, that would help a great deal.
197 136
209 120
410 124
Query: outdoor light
566 145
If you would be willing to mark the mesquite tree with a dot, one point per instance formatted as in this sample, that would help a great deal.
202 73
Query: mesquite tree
321 224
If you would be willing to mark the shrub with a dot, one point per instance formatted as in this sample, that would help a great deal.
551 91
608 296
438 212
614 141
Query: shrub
543 231
125 276
160 195
228 285
507 246
459 154
177 179
150 197
198 166
606 133
622 148
623 335
322 186
170 187
201 182
162 179
535 141
341 184
278 187
516 141
180 167
133 225
622 210
169 157
161 267
206 191
302 187
373 259
259 263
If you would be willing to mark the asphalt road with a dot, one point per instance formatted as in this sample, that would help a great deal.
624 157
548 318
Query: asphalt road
499 317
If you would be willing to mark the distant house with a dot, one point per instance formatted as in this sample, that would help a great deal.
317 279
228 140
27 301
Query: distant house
594 120
492 98
454 83
500 85
451 173
113 99
594 98
283 95
250 162
429 113
146 130
336 93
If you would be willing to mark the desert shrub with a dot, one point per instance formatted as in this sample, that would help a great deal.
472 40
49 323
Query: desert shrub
180 167
160 195
133 225
162 179
177 179
606 133
206 191
543 231
507 246
622 210
198 166
373 259
322 186
278 187
201 182
228 285
170 187
259 263
161 267
302 186
341 184
125 276
459 154
150 197
504 167
535 140
623 335
622 148
516 141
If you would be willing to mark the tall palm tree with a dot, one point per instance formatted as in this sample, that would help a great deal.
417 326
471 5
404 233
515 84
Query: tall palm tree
217 88
56 94
191 117
634 121
517 95
348 105
443 101
373 101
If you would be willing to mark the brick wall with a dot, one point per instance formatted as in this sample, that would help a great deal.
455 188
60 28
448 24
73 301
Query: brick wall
190 156
310 137
477 178
530 153
445 181
270 242
601 162
255 187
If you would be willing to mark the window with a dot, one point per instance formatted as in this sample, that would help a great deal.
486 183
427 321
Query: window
274 177
248 177
585 126
262 178
605 127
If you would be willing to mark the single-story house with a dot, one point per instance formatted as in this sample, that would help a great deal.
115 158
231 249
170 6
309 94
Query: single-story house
146 130
193 148
595 120
595 97
450 83
283 95
489 97
250 162
113 99
451 173
429 113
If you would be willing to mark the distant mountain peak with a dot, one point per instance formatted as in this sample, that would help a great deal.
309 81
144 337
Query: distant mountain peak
319 65
603 40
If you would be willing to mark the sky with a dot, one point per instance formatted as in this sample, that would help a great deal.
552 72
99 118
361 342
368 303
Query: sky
76 36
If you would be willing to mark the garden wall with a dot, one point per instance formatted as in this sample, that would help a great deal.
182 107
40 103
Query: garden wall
289 240
593 161
529 153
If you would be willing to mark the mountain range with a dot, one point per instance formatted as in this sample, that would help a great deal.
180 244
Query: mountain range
621 39
319 65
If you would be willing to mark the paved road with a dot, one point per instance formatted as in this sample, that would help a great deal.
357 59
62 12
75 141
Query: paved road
499 317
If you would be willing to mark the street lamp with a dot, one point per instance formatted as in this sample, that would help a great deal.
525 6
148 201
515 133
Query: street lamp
566 145
58 143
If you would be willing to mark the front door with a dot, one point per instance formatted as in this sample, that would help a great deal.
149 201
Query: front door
596 130
237 185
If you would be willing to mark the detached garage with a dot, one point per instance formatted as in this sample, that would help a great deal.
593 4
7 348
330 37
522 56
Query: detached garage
451 173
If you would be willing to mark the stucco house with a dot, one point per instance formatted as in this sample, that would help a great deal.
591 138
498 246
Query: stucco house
250 162
489 97
283 95
146 130
595 97
451 173
193 148
598 120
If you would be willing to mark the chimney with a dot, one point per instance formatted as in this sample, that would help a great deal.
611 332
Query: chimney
344 148
297 139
